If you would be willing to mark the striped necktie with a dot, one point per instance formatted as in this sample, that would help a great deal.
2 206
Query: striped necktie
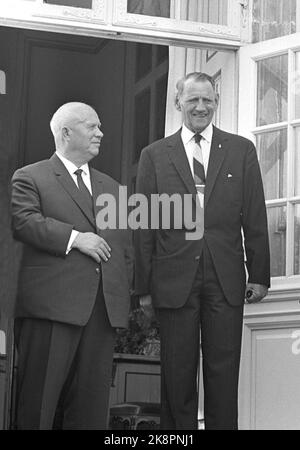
199 177
199 173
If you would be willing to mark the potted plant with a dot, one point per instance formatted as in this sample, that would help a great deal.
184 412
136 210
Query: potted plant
141 337
136 365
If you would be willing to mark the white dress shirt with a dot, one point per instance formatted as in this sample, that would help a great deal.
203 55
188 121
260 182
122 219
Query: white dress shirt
71 168
86 178
189 143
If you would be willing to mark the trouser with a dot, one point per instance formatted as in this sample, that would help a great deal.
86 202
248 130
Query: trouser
65 365
221 331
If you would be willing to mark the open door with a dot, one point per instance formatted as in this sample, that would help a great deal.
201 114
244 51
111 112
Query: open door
269 114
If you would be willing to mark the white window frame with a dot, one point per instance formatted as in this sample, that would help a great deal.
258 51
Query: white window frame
95 14
2 343
108 19
231 31
2 82
35 9
249 56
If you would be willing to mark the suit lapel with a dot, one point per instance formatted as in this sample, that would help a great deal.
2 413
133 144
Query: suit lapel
97 185
178 157
216 158
65 179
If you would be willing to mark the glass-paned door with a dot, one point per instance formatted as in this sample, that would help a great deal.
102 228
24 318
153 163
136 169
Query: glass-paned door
146 81
269 113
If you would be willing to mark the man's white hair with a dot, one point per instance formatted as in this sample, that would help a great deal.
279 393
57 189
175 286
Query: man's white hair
67 114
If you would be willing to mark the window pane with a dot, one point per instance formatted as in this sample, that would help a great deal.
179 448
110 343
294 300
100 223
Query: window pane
143 60
297 241
277 236
160 106
272 90
273 18
206 11
157 8
297 85
297 161
272 151
2 82
162 54
141 122
75 3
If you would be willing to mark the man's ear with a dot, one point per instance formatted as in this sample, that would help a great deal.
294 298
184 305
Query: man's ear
177 103
65 131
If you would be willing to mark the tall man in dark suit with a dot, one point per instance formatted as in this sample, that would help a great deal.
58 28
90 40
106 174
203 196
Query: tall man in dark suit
198 282
74 280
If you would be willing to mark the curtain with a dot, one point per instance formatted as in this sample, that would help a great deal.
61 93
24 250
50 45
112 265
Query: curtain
158 8
76 3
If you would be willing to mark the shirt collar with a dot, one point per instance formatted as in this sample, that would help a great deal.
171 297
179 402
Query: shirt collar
71 168
187 135
207 134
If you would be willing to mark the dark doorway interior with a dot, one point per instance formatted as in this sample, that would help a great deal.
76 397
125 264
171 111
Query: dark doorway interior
125 82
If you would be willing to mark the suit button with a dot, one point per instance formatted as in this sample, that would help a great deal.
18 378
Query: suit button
197 258
97 270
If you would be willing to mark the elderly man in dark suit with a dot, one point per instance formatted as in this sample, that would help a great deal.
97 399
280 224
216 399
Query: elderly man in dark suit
198 282
74 281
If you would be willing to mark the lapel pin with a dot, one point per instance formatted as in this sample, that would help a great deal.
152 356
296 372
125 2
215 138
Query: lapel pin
220 146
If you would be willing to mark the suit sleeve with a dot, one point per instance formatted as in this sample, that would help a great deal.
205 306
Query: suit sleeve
144 239
30 226
254 220
129 258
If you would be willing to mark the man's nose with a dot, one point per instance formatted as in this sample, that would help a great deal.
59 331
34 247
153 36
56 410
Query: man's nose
99 133
200 105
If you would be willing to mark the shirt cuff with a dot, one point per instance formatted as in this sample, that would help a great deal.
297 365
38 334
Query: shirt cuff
73 236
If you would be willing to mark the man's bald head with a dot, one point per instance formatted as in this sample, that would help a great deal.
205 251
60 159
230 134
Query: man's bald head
76 130
68 115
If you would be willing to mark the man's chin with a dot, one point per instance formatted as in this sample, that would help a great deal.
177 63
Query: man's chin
199 127
94 152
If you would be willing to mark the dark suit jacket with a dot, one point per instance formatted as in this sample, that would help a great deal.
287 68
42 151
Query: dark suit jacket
46 206
166 262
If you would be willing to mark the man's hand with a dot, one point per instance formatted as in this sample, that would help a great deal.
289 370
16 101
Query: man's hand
255 292
92 245
146 306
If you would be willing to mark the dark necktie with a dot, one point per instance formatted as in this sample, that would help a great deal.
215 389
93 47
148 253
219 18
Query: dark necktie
83 189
